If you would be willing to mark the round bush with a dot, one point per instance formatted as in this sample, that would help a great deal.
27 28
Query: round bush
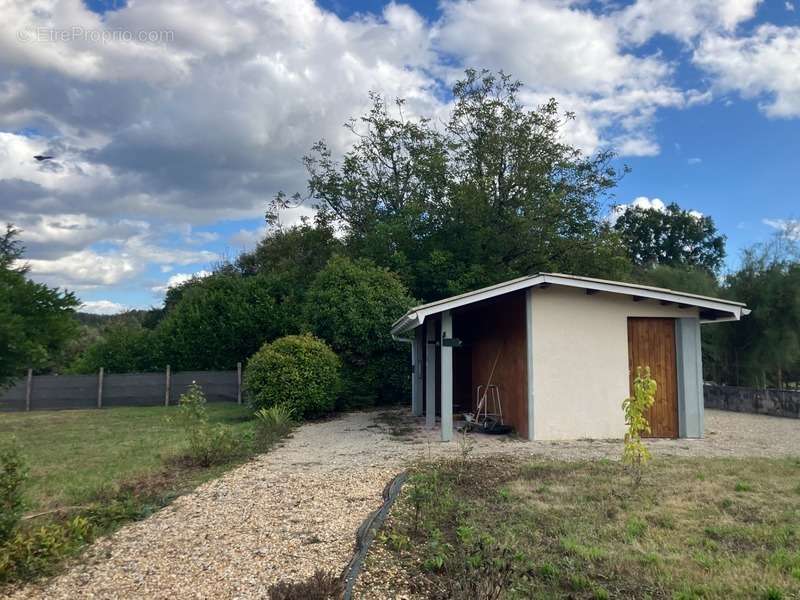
300 372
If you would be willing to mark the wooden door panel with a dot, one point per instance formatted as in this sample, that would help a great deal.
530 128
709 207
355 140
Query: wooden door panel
651 342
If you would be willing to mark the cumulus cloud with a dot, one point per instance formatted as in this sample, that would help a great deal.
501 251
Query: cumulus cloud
102 307
789 227
682 19
157 139
644 203
761 66
178 279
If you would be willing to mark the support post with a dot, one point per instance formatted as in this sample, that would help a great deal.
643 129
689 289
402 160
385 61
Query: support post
417 366
28 387
100 388
166 390
430 374
447 378
238 383
529 358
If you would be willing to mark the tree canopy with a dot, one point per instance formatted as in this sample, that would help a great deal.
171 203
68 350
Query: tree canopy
36 321
494 194
673 237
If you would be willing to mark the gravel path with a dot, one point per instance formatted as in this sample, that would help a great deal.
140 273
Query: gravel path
296 509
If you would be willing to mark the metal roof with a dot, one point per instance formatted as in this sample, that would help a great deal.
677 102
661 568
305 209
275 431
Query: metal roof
724 310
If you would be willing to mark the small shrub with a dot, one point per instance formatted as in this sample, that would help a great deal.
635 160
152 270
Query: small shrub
13 474
28 554
299 372
636 454
743 486
272 425
207 444
321 585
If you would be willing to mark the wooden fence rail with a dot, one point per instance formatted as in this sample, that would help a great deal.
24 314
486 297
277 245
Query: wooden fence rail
55 392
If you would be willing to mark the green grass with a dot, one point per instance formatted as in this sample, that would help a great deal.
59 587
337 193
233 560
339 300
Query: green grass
580 530
74 455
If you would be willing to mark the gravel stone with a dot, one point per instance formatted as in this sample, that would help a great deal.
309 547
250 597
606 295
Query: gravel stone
287 513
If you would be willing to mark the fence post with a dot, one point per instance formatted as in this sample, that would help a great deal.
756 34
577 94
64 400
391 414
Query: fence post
100 388
238 383
166 392
28 385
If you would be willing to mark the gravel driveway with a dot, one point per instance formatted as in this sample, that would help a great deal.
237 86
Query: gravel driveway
296 509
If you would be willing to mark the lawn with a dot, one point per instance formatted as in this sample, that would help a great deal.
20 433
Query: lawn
74 455
511 528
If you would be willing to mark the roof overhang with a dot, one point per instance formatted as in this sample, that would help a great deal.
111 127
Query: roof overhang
711 309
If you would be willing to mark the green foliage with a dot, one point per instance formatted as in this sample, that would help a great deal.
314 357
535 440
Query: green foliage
13 474
123 347
32 553
272 425
352 305
299 372
221 320
635 453
674 237
494 194
207 444
36 321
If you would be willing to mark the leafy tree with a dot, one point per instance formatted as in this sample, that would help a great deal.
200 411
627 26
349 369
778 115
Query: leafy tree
352 305
494 195
674 237
222 320
123 347
36 321
293 254
764 348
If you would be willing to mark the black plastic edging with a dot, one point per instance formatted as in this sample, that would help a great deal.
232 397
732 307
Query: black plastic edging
366 533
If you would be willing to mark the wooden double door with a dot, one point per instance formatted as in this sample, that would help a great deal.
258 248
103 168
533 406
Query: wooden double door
651 343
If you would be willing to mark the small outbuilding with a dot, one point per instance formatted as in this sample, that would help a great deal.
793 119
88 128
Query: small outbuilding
562 353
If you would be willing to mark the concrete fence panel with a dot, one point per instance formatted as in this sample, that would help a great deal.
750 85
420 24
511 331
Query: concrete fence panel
778 403
56 392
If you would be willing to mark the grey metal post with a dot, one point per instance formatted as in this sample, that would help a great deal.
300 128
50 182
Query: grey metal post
100 388
430 374
28 386
447 378
166 391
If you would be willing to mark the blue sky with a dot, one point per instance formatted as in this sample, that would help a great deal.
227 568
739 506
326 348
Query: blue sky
173 121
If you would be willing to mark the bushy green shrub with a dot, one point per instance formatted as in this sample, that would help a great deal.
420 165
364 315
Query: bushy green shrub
207 444
299 372
29 554
272 425
352 305
122 348
12 476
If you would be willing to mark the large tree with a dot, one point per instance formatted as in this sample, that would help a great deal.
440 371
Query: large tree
36 321
495 193
672 236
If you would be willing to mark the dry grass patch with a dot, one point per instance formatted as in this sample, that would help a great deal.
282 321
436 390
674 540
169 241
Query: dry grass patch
696 528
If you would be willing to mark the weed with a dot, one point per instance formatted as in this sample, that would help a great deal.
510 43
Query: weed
207 444
272 425
743 486
322 585
635 528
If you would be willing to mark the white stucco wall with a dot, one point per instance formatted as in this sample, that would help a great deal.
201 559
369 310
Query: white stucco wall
580 360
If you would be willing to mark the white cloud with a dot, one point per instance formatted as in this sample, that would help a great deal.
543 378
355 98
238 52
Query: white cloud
789 6
682 19
694 161
248 238
644 203
83 269
102 307
178 279
789 227
761 66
